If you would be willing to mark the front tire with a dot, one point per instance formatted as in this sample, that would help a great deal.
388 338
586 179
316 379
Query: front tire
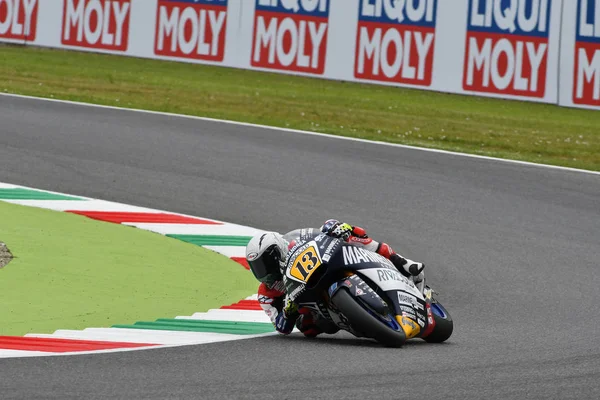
361 320
443 325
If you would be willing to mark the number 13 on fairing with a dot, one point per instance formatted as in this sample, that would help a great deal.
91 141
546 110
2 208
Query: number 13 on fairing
305 264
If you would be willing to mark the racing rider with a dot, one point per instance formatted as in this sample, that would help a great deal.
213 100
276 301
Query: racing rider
266 253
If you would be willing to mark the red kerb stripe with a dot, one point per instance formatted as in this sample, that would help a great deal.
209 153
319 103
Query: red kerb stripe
244 305
241 260
62 345
141 217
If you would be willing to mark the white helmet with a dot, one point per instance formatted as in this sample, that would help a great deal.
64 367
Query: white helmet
264 252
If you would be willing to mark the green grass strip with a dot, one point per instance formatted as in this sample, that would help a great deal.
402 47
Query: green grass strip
72 272
213 240
230 327
491 127
28 194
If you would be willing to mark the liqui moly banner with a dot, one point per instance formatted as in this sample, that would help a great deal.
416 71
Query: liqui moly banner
507 47
96 24
290 35
499 48
586 74
18 19
193 29
395 41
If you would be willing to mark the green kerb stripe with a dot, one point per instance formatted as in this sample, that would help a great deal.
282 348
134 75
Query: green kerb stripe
214 240
236 328
27 194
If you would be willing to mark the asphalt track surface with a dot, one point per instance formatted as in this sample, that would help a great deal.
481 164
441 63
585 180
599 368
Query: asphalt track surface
513 250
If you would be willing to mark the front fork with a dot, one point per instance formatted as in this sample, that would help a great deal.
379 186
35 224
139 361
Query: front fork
411 327
428 295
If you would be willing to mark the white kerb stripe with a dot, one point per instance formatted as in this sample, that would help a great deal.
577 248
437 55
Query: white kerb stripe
85 205
229 251
20 353
230 315
139 336
8 186
196 229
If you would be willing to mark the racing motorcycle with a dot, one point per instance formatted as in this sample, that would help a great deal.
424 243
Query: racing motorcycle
361 292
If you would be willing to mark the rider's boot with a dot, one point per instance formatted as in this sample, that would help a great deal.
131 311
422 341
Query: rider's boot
306 323
311 326
408 268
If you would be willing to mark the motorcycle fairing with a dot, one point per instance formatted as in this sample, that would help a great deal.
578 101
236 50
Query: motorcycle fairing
332 255
402 296
359 289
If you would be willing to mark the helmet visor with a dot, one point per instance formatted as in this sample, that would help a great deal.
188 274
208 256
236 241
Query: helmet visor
266 267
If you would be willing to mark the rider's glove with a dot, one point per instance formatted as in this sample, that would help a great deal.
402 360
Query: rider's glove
284 325
290 308
337 229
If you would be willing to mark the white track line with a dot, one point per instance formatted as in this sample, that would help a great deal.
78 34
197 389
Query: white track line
297 131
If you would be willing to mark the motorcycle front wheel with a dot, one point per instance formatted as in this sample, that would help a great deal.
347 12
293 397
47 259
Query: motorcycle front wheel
443 324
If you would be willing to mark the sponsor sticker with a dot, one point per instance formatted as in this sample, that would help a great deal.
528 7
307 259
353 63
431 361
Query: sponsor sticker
18 19
290 35
586 75
388 279
410 327
296 292
96 24
355 255
332 288
305 263
363 241
395 41
191 29
265 299
507 47
406 298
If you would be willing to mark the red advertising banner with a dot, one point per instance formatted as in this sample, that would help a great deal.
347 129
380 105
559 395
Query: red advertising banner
507 48
96 24
586 75
18 19
192 29
291 36
395 43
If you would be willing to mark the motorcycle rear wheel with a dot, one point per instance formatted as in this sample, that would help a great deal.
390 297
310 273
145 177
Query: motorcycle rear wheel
362 321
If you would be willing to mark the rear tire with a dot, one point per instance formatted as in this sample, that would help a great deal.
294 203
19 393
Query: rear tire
443 326
362 321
